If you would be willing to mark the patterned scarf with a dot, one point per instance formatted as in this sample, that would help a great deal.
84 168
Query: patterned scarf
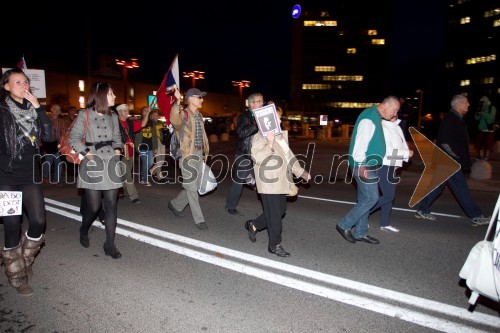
198 138
25 119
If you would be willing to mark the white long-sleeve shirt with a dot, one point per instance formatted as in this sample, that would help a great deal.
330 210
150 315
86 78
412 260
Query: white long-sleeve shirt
394 140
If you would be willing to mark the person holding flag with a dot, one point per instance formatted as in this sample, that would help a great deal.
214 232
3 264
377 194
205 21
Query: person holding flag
194 149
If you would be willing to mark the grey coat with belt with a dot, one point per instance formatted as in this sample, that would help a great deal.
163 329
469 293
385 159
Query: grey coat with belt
102 137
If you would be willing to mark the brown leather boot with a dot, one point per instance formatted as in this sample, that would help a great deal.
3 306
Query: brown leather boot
15 269
30 250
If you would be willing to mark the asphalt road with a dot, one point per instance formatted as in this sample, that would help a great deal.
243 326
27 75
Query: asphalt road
175 278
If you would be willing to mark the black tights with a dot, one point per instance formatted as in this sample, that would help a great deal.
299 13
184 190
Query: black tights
96 198
33 206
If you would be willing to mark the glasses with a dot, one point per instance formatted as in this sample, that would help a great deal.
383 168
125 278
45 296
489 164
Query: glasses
199 97
258 101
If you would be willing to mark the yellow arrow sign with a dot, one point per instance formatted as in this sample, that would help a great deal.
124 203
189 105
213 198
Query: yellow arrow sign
439 166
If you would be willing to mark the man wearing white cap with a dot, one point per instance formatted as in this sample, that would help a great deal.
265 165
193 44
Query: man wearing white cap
194 148
128 128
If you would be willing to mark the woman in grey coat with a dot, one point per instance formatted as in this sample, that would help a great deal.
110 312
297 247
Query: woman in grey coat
98 172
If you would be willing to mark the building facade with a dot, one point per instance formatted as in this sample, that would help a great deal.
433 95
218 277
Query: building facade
340 57
472 47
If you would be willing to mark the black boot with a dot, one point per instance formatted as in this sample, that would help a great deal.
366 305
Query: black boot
112 251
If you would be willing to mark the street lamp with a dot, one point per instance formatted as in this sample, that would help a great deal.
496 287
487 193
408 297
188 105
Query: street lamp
126 65
194 75
241 84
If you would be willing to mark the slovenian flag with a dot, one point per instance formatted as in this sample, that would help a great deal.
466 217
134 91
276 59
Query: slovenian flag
165 93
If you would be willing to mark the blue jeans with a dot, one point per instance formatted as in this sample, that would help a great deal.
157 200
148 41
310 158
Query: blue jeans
367 197
460 189
52 162
146 161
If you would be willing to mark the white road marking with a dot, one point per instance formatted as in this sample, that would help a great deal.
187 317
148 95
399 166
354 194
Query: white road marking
395 208
221 256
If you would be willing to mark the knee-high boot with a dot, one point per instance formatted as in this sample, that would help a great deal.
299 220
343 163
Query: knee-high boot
15 269
30 250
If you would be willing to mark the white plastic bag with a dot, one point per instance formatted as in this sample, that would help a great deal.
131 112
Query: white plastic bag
208 182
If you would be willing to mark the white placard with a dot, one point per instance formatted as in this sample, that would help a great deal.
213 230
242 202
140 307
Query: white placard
37 81
267 119
323 119
11 203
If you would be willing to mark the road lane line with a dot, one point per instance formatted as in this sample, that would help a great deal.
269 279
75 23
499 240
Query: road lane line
345 283
322 291
395 208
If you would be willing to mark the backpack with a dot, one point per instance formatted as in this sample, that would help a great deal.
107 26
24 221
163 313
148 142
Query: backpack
175 142
65 148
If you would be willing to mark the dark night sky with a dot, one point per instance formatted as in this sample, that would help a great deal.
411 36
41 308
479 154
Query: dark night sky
246 40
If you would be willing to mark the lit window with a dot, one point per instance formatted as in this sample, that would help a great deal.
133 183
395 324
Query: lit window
465 20
351 50
81 101
378 41
343 78
372 32
316 86
324 68
320 23
464 83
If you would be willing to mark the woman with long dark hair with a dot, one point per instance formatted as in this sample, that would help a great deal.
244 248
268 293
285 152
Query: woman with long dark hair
23 124
99 156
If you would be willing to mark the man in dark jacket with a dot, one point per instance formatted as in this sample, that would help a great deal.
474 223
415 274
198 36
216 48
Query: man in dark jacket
242 170
453 139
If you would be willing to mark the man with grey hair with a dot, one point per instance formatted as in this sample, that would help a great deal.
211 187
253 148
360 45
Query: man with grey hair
453 139
242 169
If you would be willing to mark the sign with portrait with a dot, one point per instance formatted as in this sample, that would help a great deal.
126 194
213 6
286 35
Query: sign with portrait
267 119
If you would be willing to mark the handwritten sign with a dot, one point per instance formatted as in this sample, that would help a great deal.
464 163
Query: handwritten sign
11 203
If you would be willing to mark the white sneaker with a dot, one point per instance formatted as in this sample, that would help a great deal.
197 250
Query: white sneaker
390 228
426 216
480 220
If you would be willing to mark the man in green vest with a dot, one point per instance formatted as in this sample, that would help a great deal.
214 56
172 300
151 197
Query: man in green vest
366 153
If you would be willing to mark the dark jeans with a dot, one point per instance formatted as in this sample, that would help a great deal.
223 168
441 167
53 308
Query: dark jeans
460 189
387 185
242 168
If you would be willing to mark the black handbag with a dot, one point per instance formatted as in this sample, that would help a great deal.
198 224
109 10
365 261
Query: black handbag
165 136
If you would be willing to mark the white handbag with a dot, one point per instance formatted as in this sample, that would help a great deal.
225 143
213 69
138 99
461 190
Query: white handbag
481 270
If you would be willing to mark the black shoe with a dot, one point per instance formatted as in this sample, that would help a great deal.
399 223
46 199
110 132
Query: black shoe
113 252
175 211
367 239
279 251
84 240
233 211
346 234
103 221
251 234
136 201
201 226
